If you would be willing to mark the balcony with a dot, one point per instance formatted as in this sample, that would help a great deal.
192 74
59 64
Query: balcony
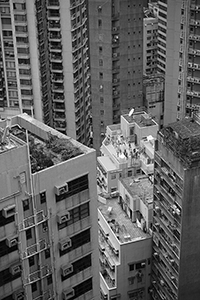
193 79
55 47
194 37
194 51
195 7
193 93
53 4
55 36
194 22
54 25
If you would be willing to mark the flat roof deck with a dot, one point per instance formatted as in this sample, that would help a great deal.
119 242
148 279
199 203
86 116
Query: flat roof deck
120 223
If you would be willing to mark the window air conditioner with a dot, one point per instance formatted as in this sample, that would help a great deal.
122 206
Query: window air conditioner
65 244
67 270
18 295
59 190
8 211
15 269
63 218
11 242
68 294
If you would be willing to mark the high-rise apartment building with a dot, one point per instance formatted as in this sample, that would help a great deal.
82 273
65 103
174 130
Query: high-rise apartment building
180 27
175 265
44 63
116 51
48 214
150 31
162 36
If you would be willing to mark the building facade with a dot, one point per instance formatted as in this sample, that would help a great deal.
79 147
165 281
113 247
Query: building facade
116 51
125 244
154 92
150 31
175 265
44 63
48 214
127 150
182 59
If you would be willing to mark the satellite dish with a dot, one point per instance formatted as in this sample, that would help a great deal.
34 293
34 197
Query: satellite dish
131 112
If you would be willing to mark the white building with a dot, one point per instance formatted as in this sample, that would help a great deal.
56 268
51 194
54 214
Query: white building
124 150
125 244
48 214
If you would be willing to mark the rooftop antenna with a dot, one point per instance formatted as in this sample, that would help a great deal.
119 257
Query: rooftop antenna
131 112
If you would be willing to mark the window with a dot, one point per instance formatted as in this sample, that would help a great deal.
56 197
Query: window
100 62
42 197
131 280
34 287
74 187
6 276
99 23
113 176
102 112
76 214
4 249
77 240
20 18
49 280
83 287
6 21
129 173
100 49
28 234
4 221
99 9
101 100
131 267
44 226
25 204
78 266
140 265
31 261
101 88
100 75
47 253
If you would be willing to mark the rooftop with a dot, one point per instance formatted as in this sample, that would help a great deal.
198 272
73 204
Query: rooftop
107 163
120 223
122 149
142 119
139 187
183 138
47 146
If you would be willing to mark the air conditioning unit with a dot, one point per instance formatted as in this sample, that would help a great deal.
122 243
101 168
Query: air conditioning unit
11 242
15 269
63 218
65 244
116 251
18 295
114 28
67 270
68 294
8 211
59 190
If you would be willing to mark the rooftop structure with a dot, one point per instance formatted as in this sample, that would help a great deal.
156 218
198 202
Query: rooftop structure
183 138
48 225
129 146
